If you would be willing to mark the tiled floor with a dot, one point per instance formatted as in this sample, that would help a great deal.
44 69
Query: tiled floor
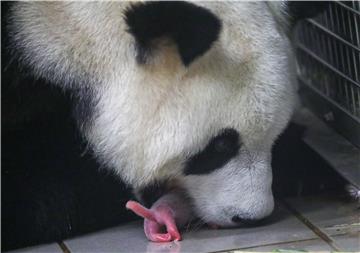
319 223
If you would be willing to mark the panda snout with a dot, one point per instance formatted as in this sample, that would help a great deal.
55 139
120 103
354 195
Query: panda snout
251 219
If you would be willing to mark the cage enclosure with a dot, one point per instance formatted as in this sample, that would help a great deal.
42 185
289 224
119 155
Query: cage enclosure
327 51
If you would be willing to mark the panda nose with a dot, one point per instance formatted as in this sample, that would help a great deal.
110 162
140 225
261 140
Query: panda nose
247 222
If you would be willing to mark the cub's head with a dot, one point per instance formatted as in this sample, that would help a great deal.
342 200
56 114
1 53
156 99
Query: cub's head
191 92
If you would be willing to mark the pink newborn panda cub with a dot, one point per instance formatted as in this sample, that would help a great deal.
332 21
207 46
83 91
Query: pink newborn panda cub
170 212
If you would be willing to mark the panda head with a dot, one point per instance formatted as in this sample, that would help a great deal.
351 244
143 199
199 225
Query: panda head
191 92
230 182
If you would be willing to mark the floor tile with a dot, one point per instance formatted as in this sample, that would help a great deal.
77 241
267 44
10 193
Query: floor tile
307 245
349 242
130 238
124 238
48 248
334 216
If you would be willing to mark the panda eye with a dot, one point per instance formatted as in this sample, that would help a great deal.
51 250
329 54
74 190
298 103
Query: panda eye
226 142
216 154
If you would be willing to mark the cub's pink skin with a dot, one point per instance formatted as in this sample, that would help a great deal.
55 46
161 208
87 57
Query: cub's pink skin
169 211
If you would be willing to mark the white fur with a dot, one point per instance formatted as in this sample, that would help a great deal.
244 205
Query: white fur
242 187
150 118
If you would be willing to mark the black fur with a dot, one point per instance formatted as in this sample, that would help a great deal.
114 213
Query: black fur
298 170
216 154
85 100
50 189
192 28
305 9
152 193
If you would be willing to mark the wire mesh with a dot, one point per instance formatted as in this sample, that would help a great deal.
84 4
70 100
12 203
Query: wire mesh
328 55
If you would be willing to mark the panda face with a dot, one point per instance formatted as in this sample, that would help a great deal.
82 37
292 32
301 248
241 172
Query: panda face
237 189
155 102
207 115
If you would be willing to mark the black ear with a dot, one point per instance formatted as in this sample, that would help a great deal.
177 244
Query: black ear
305 9
192 28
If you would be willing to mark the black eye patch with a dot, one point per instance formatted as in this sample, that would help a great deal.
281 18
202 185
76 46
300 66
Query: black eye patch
216 154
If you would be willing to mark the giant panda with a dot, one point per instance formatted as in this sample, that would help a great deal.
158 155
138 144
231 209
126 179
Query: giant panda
182 101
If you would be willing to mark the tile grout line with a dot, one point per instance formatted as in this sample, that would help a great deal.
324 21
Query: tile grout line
264 245
311 226
63 247
281 243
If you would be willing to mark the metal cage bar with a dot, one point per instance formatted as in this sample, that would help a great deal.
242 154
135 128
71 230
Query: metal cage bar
328 66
